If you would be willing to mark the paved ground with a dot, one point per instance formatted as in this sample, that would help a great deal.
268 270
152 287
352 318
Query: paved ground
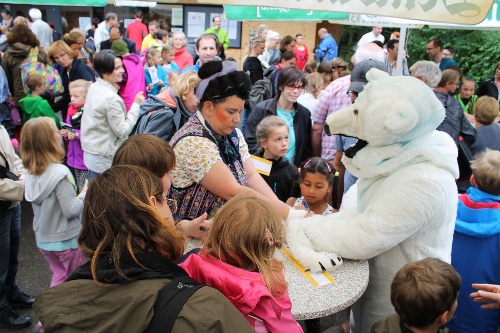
34 274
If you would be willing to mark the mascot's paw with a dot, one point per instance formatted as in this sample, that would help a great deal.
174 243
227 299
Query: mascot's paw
303 250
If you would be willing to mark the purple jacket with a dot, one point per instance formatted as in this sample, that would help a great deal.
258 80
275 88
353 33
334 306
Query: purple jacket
133 78
75 152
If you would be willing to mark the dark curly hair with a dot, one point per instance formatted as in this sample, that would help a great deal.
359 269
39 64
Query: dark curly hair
235 83
22 34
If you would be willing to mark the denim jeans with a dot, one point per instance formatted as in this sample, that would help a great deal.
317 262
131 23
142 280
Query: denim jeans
10 232
246 114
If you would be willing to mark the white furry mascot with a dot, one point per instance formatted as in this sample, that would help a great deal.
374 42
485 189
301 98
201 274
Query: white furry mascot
404 205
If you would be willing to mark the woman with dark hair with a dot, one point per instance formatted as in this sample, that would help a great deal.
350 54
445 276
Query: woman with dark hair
287 43
129 236
70 69
105 123
20 40
291 83
213 163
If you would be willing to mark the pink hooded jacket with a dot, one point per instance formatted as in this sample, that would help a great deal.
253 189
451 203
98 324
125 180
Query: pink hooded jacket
135 81
247 292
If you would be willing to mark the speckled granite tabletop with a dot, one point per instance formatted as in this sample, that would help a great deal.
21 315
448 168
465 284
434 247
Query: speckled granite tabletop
310 302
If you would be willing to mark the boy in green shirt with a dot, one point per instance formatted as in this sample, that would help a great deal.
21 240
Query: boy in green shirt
33 104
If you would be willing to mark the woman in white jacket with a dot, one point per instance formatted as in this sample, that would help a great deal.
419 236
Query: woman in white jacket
105 121
10 232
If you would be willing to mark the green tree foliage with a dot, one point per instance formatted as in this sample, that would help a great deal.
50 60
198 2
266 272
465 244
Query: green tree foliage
477 52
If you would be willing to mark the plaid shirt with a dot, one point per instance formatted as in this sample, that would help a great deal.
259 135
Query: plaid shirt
332 99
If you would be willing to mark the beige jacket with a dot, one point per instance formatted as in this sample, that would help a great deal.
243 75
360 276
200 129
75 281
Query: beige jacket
9 189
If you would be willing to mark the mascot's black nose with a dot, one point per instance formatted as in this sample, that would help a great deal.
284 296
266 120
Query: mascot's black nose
327 130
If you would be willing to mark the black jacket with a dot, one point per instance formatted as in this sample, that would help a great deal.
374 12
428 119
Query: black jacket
79 70
281 178
301 122
488 88
455 122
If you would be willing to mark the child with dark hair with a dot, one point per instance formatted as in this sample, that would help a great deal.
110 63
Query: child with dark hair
475 252
424 295
316 177
34 105
466 96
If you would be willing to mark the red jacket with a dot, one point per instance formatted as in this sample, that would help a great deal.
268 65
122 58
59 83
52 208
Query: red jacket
183 58
247 292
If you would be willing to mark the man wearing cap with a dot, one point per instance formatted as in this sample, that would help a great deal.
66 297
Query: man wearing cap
338 66
220 33
133 78
334 98
374 35
40 28
102 32
114 35
327 48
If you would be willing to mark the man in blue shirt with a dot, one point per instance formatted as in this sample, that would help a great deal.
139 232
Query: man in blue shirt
435 52
327 48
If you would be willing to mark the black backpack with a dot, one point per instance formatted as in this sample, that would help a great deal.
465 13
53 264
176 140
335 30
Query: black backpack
169 303
262 90
157 118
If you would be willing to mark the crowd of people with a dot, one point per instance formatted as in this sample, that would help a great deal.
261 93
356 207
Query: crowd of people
145 144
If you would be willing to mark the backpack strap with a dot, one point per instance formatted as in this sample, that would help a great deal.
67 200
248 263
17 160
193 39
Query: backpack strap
169 303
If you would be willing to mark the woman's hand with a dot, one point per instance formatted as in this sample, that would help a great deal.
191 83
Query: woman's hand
139 98
197 228
64 132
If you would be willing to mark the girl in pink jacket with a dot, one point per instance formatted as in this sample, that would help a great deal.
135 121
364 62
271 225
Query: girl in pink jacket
238 260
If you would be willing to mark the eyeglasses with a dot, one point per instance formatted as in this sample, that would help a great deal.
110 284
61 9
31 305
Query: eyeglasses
293 87
172 204
60 56
446 54
431 48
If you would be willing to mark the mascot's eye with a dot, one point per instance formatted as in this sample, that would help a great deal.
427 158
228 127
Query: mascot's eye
355 112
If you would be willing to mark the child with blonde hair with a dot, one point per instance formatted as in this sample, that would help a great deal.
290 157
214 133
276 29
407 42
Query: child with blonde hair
78 92
154 72
238 260
51 189
488 132
272 136
169 65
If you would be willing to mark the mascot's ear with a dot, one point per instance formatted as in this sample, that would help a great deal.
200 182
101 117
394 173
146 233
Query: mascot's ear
375 74
401 117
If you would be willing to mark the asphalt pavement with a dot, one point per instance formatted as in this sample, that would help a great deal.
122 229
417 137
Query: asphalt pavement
34 274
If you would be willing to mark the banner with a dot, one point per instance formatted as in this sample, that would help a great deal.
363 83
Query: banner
257 13
448 11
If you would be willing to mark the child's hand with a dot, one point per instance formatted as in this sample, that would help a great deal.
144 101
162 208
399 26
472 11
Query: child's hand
160 83
72 135
150 86
139 98
85 186
64 133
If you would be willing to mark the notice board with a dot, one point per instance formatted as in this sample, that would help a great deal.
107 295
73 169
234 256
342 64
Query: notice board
198 18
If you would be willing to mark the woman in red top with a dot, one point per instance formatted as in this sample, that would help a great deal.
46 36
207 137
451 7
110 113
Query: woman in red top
301 52
181 57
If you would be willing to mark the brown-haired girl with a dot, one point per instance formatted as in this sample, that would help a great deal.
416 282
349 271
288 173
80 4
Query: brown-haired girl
238 260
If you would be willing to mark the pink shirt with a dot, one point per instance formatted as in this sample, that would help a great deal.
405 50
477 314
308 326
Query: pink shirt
332 99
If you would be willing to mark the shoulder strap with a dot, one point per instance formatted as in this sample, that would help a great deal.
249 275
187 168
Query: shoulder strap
171 299
5 159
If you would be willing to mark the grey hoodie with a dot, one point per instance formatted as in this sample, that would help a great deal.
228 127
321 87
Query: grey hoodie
55 204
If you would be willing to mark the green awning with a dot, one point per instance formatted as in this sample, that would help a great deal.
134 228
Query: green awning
259 13
93 3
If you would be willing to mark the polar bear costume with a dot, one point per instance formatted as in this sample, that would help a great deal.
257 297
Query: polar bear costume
404 205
